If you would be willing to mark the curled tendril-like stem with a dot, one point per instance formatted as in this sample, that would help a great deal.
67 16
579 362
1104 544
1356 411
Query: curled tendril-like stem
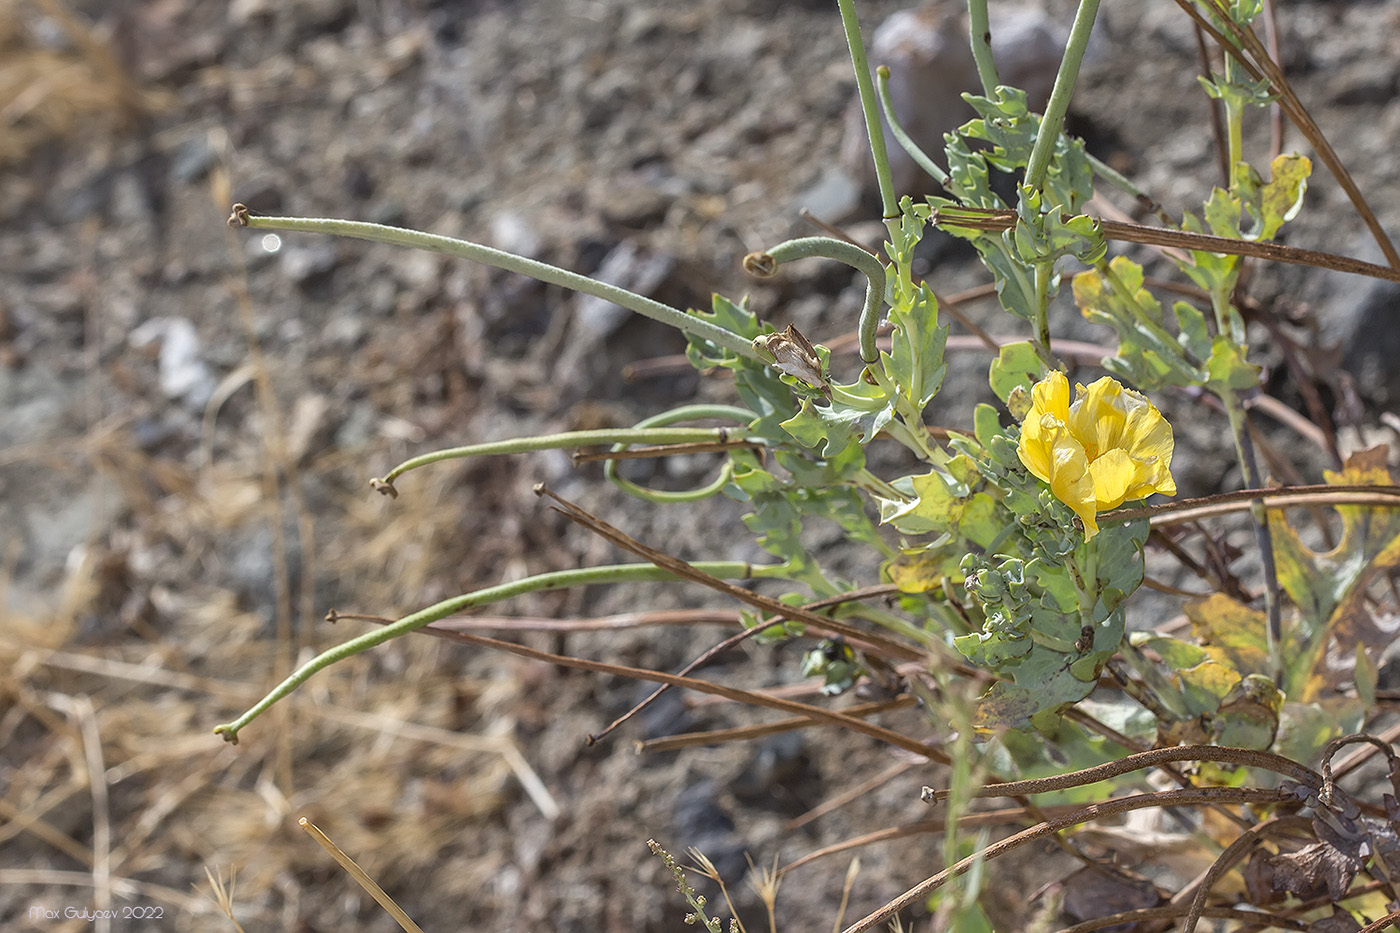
760 264
765 263
1330 750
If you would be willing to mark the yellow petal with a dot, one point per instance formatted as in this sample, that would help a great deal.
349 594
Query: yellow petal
1110 445
1099 416
1070 479
1116 475
1049 409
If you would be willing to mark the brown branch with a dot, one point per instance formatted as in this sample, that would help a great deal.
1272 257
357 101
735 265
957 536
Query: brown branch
996 221
1170 798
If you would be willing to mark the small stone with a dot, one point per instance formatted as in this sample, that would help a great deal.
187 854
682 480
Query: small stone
192 161
310 428
183 373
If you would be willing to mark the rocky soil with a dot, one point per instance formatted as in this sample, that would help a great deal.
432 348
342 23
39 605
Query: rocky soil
189 416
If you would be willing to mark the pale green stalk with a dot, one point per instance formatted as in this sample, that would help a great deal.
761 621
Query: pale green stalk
683 413
866 89
543 271
911 148
766 263
1234 115
567 439
1058 105
895 625
980 28
1253 479
1040 321
616 573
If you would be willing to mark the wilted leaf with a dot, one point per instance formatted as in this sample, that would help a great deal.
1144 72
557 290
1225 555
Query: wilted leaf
794 356
1339 922
1314 870
1103 890
1235 631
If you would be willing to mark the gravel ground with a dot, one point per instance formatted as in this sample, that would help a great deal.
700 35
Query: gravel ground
189 416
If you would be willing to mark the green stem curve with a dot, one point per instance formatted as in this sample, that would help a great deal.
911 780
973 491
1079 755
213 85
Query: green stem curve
465 249
559 579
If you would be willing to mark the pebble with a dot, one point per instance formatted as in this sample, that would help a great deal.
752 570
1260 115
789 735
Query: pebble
183 374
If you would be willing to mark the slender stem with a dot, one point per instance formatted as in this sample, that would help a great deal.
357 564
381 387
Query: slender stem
1041 319
615 573
683 413
975 218
766 263
911 148
981 33
520 445
893 623
866 88
1234 118
1117 179
465 249
1086 590
1253 479
1058 106
1244 451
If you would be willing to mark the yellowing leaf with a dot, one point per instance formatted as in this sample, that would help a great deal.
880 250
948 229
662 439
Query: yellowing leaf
1329 588
1230 631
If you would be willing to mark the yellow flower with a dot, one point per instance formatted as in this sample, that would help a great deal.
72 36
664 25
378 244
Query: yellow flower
1107 447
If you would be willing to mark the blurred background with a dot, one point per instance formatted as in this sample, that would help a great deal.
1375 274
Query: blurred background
189 417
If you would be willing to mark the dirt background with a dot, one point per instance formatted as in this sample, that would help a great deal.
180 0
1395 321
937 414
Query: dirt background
188 420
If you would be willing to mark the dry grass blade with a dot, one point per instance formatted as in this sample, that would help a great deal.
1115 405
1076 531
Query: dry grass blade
852 870
854 793
364 880
924 827
662 450
81 710
734 640
1253 918
1245 757
1189 510
223 895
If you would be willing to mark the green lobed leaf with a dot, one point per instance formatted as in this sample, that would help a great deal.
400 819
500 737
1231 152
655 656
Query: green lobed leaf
1016 365
1044 234
1227 367
1148 355
916 363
